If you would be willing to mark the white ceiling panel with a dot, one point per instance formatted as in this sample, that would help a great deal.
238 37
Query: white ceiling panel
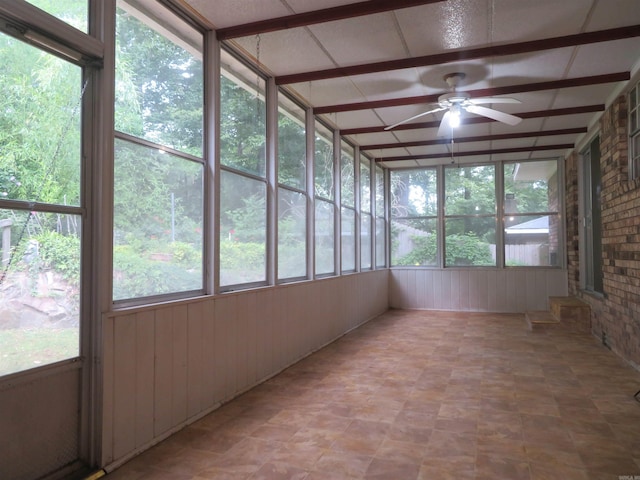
396 83
518 21
614 13
529 67
607 57
449 25
303 51
367 39
229 13
332 47
330 92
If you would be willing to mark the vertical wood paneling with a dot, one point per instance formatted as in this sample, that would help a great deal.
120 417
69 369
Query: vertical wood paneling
481 291
521 290
108 413
279 315
124 403
410 286
225 316
396 288
492 290
535 291
437 291
179 316
208 354
163 375
144 368
240 349
195 359
263 335
253 317
429 289
510 291
446 295
421 293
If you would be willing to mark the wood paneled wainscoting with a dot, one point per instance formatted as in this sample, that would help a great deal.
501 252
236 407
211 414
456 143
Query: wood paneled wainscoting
514 290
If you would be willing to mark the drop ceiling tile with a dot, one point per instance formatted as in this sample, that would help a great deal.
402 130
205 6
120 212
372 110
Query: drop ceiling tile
228 13
606 57
372 38
329 92
614 13
570 121
391 84
355 119
528 68
517 20
449 25
302 52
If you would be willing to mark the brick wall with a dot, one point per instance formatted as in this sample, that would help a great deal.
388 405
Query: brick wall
617 313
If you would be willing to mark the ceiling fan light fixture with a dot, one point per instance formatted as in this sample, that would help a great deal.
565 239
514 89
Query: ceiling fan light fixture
454 116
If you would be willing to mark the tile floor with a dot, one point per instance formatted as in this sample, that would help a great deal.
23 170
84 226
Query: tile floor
416 395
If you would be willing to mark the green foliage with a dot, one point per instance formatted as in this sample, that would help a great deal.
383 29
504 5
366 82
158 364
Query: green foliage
247 222
159 88
139 276
241 262
424 251
292 152
461 250
39 125
62 254
184 254
242 128
467 249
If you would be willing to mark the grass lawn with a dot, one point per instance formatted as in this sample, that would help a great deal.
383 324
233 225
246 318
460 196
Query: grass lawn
21 349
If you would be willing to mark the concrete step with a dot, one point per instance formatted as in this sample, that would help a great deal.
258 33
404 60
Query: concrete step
539 320
571 312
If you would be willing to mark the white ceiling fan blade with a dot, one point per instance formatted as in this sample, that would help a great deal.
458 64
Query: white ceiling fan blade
445 129
482 100
494 114
407 120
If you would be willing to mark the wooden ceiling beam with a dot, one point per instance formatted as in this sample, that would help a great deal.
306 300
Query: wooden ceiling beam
561 146
481 138
471 121
481 92
318 16
469 54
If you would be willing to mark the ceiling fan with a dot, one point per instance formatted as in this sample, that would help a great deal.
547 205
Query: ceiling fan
456 102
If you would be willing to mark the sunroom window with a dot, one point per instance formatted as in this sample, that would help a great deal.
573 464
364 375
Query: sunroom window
243 179
292 197
159 167
41 207
325 209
